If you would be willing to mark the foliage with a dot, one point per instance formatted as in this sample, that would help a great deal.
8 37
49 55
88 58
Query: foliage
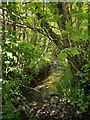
9 109
36 34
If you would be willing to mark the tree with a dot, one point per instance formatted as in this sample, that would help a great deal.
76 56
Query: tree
71 22
30 30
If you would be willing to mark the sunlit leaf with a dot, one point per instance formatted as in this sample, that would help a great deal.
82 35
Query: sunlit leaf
73 51
62 56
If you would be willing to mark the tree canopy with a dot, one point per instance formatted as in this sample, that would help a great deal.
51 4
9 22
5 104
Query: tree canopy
37 36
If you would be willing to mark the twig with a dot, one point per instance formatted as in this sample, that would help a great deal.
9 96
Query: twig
40 57
74 66
32 89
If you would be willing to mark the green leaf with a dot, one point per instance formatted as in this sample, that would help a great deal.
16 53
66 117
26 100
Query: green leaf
79 90
82 108
80 99
27 106
64 32
55 18
29 5
84 24
75 37
79 104
73 51
39 4
62 56
60 16
51 9
38 10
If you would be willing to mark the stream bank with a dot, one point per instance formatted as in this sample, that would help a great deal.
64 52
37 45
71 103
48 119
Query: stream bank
48 102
